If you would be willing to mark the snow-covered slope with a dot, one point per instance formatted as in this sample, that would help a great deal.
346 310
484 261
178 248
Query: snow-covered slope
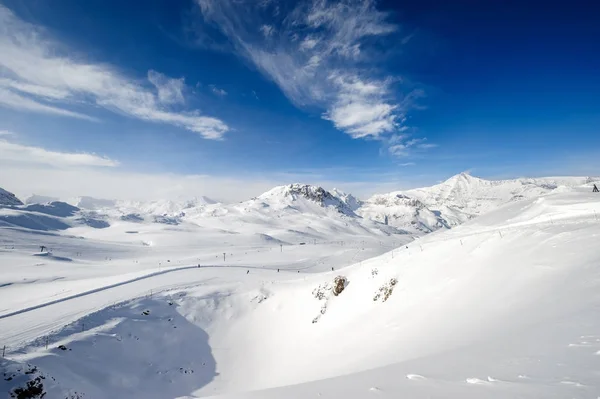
503 306
8 199
350 200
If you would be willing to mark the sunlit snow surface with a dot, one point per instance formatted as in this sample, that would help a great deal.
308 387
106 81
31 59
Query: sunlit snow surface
505 305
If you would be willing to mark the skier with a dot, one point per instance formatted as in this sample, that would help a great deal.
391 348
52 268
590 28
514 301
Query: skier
595 190
248 272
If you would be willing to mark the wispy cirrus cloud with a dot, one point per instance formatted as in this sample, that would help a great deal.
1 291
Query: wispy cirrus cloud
217 91
170 91
321 54
10 99
38 75
402 145
18 153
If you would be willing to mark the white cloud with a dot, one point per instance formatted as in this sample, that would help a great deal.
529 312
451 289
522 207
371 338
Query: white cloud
219 92
35 90
35 66
308 43
321 56
267 30
170 91
358 109
16 101
18 154
6 133
401 146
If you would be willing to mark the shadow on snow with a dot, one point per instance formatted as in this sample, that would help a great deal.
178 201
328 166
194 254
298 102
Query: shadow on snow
143 348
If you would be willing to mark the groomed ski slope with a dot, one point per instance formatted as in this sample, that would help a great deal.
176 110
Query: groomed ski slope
503 306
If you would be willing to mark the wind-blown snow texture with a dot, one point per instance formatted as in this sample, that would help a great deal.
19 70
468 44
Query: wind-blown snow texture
504 305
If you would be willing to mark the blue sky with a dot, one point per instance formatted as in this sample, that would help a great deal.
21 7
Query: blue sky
228 97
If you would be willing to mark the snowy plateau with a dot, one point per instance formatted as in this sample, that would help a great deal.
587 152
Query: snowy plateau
467 289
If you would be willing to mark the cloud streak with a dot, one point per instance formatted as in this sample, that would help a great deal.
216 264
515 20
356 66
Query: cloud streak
402 145
321 54
37 76
10 99
217 91
22 154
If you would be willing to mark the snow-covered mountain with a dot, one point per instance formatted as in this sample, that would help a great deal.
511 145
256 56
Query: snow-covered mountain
302 197
400 210
504 306
8 199
40 199
286 214
350 200
474 196
458 199
91 203
312 210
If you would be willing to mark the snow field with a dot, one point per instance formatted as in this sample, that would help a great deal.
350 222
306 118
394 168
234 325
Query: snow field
502 306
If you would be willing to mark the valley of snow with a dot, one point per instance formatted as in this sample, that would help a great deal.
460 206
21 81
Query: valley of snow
472 289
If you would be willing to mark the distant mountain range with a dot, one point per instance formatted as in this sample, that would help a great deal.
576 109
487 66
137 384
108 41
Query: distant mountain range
308 209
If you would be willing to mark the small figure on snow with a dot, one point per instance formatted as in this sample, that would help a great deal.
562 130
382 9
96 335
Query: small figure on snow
248 272
595 190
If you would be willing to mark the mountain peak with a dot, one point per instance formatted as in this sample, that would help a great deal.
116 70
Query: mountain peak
315 193
462 176
293 192
8 199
